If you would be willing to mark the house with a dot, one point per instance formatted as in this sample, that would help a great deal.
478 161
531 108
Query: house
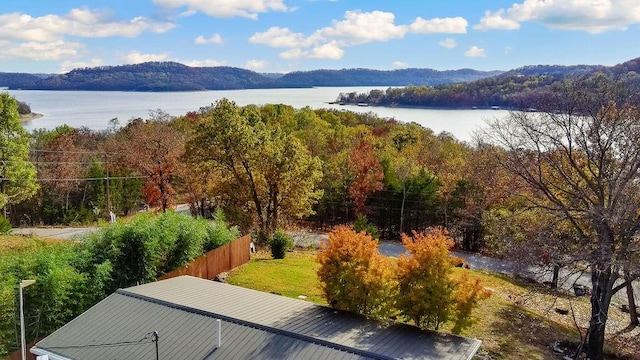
178 319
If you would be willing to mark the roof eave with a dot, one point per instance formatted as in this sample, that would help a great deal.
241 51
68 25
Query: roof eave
52 356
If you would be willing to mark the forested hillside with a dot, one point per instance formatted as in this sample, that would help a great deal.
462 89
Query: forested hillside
171 76
367 77
522 88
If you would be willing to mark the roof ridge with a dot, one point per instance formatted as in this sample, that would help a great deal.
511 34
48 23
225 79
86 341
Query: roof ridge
267 328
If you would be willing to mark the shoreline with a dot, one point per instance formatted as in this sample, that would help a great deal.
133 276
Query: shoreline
29 117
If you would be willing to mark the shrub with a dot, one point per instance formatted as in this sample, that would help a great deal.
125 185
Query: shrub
149 246
5 225
218 232
61 291
354 276
23 108
363 224
280 243
427 293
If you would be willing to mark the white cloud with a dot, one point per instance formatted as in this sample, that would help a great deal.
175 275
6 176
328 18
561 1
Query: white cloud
227 8
496 21
292 54
135 57
278 37
256 64
593 16
38 51
456 25
507 49
67 66
448 43
475 51
78 22
361 27
399 64
326 51
354 29
214 39
203 63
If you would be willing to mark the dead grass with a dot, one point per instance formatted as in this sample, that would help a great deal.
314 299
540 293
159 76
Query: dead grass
9 243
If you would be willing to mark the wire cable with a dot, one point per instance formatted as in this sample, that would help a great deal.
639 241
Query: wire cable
147 339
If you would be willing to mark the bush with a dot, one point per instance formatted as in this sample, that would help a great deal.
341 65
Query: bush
280 243
218 232
427 293
363 224
23 108
418 287
354 276
5 225
149 246
61 291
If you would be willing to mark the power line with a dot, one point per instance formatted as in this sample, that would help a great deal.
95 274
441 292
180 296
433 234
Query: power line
48 162
80 179
69 151
148 338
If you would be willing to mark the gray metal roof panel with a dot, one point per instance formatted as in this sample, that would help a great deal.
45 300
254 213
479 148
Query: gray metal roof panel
308 319
256 325
182 335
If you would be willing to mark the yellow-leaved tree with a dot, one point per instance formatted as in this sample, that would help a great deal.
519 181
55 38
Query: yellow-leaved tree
428 294
354 276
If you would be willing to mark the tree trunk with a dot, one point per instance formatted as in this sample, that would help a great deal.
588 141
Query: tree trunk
556 275
404 197
602 285
633 313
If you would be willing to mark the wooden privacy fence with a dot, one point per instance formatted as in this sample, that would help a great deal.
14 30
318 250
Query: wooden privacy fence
216 261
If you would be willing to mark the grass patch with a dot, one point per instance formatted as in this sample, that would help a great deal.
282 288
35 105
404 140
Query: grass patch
292 276
509 328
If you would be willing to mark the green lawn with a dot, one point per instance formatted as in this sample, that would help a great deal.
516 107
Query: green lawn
517 322
293 276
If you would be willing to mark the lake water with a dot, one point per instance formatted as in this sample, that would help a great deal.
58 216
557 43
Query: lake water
94 109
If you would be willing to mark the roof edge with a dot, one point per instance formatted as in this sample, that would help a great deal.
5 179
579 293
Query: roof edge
52 356
475 348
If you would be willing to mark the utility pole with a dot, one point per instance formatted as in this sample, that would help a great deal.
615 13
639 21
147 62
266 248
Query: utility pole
106 167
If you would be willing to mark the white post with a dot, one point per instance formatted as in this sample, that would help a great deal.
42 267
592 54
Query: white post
22 341
23 284
219 332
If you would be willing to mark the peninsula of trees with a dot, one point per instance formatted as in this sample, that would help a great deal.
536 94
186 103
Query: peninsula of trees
522 88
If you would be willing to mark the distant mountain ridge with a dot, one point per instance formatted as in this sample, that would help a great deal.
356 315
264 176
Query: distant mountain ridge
172 76
476 88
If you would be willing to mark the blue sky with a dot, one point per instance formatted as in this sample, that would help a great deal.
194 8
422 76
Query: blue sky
45 36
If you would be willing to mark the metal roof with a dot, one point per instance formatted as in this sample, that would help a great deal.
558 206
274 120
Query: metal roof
255 325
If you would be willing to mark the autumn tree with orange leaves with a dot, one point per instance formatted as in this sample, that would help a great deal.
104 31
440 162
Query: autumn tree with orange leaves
61 167
153 148
419 287
367 174
354 276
